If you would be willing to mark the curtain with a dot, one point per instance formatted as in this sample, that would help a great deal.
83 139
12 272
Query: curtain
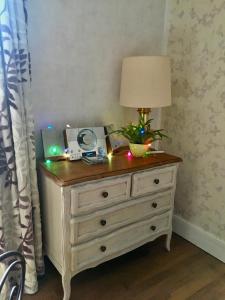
20 227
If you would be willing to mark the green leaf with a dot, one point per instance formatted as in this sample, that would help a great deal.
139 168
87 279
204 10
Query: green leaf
133 134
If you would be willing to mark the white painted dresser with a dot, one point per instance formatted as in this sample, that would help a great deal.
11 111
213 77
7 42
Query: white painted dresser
94 213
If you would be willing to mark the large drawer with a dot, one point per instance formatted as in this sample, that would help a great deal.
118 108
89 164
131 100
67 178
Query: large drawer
84 228
92 196
121 241
153 180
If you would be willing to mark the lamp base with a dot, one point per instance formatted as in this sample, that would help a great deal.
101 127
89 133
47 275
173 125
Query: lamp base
144 113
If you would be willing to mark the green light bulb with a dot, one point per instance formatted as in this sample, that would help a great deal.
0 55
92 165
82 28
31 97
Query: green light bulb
54 150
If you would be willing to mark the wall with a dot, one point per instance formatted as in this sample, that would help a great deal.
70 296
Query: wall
77 48
196 120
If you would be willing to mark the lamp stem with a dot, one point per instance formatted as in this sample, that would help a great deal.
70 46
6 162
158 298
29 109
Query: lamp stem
144 113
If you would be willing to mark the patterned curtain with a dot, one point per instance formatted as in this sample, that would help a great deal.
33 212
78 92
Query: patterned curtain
20 227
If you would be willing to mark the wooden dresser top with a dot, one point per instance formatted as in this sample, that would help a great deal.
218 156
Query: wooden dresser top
66 173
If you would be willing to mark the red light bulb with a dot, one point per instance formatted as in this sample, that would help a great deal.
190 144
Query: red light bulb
129 154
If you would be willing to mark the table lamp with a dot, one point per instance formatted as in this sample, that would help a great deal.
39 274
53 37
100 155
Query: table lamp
145 83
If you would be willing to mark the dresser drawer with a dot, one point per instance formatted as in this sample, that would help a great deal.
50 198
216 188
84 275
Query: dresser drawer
84 228
121 241
92 196
151 181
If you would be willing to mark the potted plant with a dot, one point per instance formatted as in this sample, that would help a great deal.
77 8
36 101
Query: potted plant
140 136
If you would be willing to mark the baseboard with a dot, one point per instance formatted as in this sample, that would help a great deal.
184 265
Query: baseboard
199 237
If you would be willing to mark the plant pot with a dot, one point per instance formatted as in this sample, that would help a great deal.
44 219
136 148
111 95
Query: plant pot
138 150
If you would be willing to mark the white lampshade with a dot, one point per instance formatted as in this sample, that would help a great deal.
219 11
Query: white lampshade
145 82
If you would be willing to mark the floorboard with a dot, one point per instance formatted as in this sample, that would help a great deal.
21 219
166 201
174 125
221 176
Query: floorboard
148 273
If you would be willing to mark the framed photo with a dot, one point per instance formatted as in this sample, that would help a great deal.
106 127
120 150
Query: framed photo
114 141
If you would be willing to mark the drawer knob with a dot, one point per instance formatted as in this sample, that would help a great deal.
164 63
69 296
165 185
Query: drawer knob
103 248
154 204
105 194
156 181
153 228
103 222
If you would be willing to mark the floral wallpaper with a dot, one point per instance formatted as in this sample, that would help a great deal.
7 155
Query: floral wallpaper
196 120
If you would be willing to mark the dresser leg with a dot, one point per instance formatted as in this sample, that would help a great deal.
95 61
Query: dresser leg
168 240
66 282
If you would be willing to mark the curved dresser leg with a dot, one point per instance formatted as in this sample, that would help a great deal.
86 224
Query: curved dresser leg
168 240
66 282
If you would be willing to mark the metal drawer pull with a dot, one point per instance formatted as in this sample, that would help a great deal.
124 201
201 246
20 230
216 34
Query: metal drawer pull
154 204
103 248
103 222
156 181
153 228
105 194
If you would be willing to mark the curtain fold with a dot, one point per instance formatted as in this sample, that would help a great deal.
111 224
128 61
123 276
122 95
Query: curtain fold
20 226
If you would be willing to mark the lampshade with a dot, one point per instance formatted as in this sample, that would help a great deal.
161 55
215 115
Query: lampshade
145 82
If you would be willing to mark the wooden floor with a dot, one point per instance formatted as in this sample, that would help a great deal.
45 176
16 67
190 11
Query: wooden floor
148 273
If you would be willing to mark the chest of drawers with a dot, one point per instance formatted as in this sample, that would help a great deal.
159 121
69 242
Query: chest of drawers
92 214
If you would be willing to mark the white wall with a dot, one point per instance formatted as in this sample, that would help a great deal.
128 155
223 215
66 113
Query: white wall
77 47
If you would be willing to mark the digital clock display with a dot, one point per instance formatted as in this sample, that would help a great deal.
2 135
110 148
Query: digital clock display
89 154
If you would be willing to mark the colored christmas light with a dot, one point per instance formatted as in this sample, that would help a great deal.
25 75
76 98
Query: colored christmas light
54 150
109 156
129 154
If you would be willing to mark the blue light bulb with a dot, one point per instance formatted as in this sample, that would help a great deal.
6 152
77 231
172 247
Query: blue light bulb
142 131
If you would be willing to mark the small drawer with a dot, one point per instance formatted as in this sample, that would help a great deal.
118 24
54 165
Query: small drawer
118 242
151 181
84 228
92 196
